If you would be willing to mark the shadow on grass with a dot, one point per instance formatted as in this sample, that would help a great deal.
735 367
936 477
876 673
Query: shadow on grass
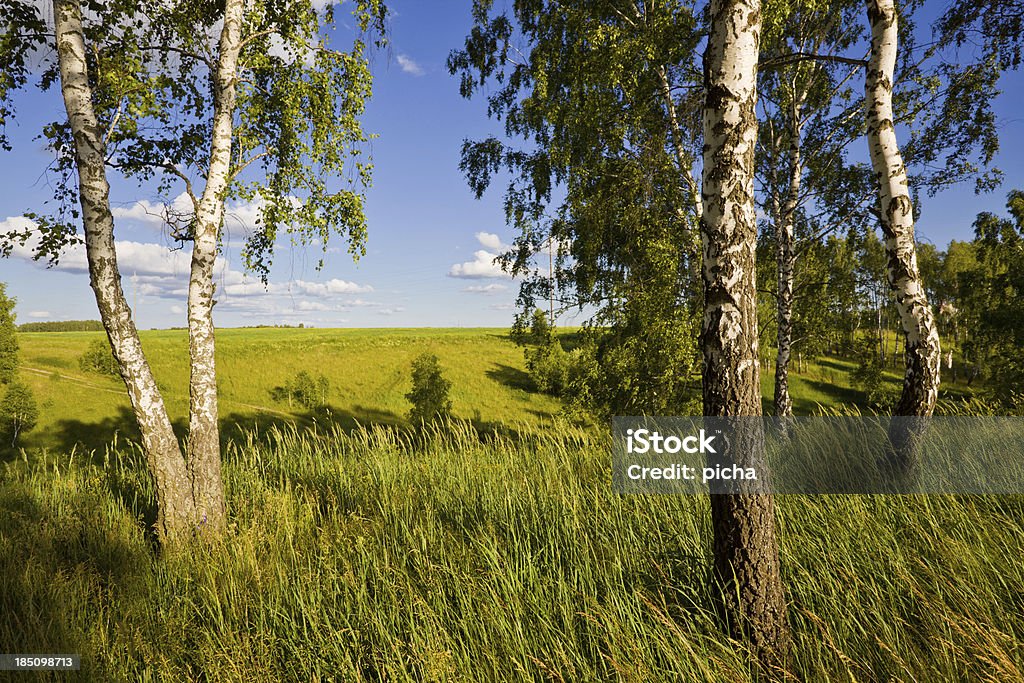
836 364
514 378
235 425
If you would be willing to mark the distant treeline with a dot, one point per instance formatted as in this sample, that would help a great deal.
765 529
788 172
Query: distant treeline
63 326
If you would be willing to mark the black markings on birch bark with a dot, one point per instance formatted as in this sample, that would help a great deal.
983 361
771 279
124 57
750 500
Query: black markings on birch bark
786 257
922 350
175 505
746 564
204 433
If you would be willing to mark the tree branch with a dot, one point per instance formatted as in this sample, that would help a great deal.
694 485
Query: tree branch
776 62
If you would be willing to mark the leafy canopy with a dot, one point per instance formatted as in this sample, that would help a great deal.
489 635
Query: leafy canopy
298 144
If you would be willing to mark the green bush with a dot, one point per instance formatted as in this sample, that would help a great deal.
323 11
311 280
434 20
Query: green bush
8 338
18 411
429 395
99 358
549 367
304 390
534 329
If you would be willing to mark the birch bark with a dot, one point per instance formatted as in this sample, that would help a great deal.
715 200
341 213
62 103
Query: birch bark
175 505
786 256
922 352
204 432
746 553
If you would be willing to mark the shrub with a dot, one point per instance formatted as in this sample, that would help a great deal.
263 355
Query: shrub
8 338
549 368
429 395
867 376
99 358
535 330
305 390
18 411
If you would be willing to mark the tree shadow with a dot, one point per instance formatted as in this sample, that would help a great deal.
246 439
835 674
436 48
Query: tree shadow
237 425
835 364
841 395
62 542
514 378
96 436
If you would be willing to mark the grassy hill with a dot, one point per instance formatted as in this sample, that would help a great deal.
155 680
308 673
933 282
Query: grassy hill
368 371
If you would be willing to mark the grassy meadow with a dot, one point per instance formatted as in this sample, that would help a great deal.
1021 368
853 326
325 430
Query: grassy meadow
490 549
368 371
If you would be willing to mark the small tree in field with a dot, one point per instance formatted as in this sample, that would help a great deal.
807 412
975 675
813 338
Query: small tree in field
18 411
98 358
8 337
429 395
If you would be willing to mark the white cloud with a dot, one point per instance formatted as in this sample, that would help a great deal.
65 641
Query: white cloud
483 265
391 311
39 314
312 306
409 66
241 217
491 241
156 272
333 286
492 288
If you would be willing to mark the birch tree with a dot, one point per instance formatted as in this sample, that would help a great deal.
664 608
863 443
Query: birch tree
746 552
804 80
600 105
896 215
244 100
176 505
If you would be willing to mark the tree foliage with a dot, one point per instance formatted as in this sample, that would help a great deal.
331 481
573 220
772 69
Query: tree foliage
305 389
988 284
98 358
429 394
19 412
8 337
62 326
297 141
600 106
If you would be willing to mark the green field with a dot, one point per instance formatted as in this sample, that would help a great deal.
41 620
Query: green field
490 549
368 371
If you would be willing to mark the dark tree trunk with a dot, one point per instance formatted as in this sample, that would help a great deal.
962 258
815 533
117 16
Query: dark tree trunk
746 564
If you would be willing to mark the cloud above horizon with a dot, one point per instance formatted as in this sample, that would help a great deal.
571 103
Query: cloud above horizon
493 288
157 271
409 66
483 265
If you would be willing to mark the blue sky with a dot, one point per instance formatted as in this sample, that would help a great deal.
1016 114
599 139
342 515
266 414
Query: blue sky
430 242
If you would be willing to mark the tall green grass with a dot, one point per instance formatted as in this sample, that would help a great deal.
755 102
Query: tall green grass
382 555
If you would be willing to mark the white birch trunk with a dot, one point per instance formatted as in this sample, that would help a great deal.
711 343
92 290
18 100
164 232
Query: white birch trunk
175 505
922 352
204 432
746 551
786 256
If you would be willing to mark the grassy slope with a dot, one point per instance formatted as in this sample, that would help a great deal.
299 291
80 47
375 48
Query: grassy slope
369 372
365 558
